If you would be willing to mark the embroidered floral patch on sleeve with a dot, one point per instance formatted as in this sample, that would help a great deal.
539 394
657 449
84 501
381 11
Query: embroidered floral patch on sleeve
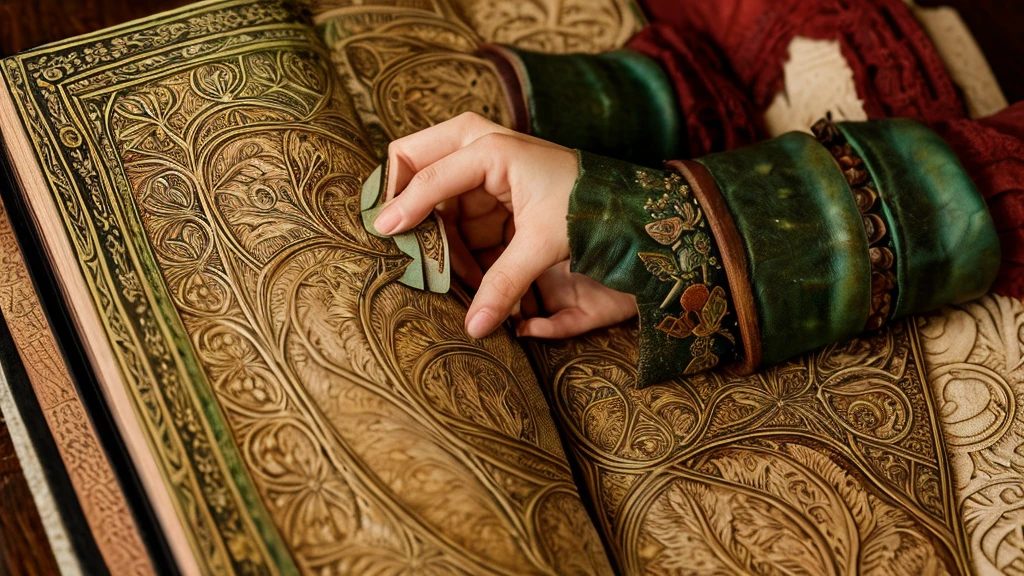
696 303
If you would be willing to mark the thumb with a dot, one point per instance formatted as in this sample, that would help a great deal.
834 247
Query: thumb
506 282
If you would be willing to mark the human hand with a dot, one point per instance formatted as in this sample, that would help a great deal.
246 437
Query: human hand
504 197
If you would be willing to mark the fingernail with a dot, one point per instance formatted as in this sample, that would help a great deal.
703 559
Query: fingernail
387 220
478 324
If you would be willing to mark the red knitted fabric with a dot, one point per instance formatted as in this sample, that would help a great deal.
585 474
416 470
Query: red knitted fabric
707 45
895 67
717 113
992 151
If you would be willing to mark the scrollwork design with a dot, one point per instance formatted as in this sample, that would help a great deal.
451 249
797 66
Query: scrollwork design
974 354
413 67
553 25
349 451
409 69
422 91
214 213
768 507
859 411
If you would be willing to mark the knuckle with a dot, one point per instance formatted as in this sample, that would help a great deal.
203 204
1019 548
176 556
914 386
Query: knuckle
425 177
395 148
495 142
470 119
502 284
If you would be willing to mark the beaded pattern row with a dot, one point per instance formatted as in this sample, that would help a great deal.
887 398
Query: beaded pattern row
880 245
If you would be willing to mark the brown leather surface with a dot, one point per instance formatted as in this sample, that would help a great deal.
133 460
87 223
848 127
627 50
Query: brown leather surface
26 24
23 545
24 548
364 419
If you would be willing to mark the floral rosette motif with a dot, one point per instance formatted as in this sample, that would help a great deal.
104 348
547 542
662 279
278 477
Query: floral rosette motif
696 303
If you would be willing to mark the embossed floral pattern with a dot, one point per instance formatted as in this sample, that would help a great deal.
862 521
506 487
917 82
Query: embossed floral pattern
305 412
699 302
976 374
827 464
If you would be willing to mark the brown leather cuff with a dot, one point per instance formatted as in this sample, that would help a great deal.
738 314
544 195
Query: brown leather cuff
734 260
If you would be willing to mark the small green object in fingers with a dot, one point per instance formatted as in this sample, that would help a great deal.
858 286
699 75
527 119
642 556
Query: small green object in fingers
805 244
426 244
373 189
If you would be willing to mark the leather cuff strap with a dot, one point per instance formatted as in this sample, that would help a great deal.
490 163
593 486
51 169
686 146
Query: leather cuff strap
755 255
804 242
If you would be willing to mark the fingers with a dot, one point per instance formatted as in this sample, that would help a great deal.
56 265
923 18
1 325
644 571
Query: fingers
488 256
558 287
504 285
463 263
562 324
530 306
479 164
476 203
484 231
410 154
579 303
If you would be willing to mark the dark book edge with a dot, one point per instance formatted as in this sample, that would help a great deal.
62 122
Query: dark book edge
82 375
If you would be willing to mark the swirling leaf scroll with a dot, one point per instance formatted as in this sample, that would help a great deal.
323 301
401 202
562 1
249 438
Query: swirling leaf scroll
828 464
974 354
306 412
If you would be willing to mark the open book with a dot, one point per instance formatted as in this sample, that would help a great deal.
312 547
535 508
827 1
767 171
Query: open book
235 382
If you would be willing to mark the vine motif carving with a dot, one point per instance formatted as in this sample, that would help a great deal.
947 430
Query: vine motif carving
370 429
553 25
693 470
411 67
373 432
271 274
974 354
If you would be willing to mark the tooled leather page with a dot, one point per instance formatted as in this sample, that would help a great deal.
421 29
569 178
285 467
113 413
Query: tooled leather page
288 406
896 453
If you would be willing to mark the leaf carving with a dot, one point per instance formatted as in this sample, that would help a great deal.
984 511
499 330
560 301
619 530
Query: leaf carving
712 313
661 265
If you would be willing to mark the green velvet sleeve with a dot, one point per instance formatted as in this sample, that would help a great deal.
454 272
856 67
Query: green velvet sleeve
643 232
756 255
617 103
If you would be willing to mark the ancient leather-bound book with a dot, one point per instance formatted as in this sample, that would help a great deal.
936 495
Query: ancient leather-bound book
217 371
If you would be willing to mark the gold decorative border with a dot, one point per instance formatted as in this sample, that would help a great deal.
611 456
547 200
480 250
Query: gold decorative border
213 520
